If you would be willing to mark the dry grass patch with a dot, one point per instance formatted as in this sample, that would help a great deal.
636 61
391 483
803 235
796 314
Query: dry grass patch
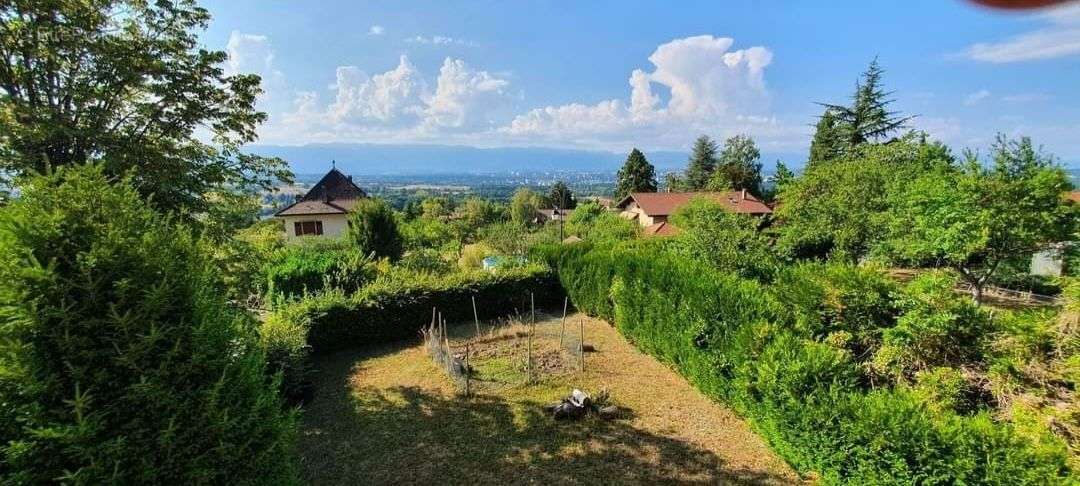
390 415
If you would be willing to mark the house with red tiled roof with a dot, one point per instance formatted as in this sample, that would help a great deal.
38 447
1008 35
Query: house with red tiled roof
652 209
324 210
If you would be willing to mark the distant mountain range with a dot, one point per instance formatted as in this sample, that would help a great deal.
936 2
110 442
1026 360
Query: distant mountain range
386 159
380 159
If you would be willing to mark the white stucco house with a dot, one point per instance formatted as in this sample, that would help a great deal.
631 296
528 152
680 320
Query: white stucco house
324 210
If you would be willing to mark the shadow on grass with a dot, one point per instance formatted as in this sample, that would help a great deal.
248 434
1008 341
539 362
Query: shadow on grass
405 435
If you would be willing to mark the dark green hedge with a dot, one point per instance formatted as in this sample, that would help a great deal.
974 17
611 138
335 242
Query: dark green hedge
761 352
395 307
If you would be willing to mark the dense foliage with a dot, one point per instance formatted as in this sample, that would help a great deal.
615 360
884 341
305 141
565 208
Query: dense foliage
312 265
120 361
738 167
394 307
700 167
838 208
711 234
373 230
127 83
973 218
867 119
794 357
636 175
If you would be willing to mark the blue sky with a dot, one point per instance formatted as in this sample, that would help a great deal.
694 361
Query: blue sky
610 75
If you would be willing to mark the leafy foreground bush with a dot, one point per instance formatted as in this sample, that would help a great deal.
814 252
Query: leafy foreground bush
312 265
768 356
120 363
394 307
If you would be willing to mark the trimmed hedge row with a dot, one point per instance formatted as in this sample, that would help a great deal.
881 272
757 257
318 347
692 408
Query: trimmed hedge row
395 307
735 339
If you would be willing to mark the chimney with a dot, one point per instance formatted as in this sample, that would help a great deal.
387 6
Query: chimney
743 195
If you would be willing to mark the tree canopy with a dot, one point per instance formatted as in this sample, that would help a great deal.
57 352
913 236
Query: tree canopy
701 165
524 205
974 217
636 175
868 119
561 196
837 209
373 229
738 166
124 82
120 360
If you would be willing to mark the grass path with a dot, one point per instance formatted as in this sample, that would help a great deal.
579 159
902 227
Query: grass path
389 416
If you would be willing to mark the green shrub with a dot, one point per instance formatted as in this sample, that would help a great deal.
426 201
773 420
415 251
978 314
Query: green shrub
472 256
395 307
312 265
373 230
728 241
770 353
825 298
284 340
425 260
937 327
120 362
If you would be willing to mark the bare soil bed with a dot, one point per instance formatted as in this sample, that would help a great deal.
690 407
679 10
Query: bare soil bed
390 415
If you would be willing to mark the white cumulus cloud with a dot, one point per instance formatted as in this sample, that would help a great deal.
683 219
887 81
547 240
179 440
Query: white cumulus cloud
391 97
249 54
376 30
398 104
463 96
712 88
1058 39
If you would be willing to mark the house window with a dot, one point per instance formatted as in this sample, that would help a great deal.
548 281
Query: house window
302 228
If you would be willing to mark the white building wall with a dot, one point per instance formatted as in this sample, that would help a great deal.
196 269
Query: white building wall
333 224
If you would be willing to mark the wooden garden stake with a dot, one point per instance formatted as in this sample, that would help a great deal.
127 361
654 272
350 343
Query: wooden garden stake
529 362
446 338
476 317
581 344
562 328
468 374
532 307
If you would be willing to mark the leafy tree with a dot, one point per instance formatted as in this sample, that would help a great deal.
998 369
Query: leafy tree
125 82
561 196
412 209
673 182
120 361
524 206
782 177
421 233
507 238
737 167
592 222
436 208
636 175
974 217
828 142
478 212
728 241
701 165
868 119
838 209
373 229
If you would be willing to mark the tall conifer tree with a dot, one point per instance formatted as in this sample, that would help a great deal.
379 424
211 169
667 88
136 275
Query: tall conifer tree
636 175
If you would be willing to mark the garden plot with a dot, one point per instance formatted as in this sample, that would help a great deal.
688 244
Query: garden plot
391 415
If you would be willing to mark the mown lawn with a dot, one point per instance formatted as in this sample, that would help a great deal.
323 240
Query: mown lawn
388 415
